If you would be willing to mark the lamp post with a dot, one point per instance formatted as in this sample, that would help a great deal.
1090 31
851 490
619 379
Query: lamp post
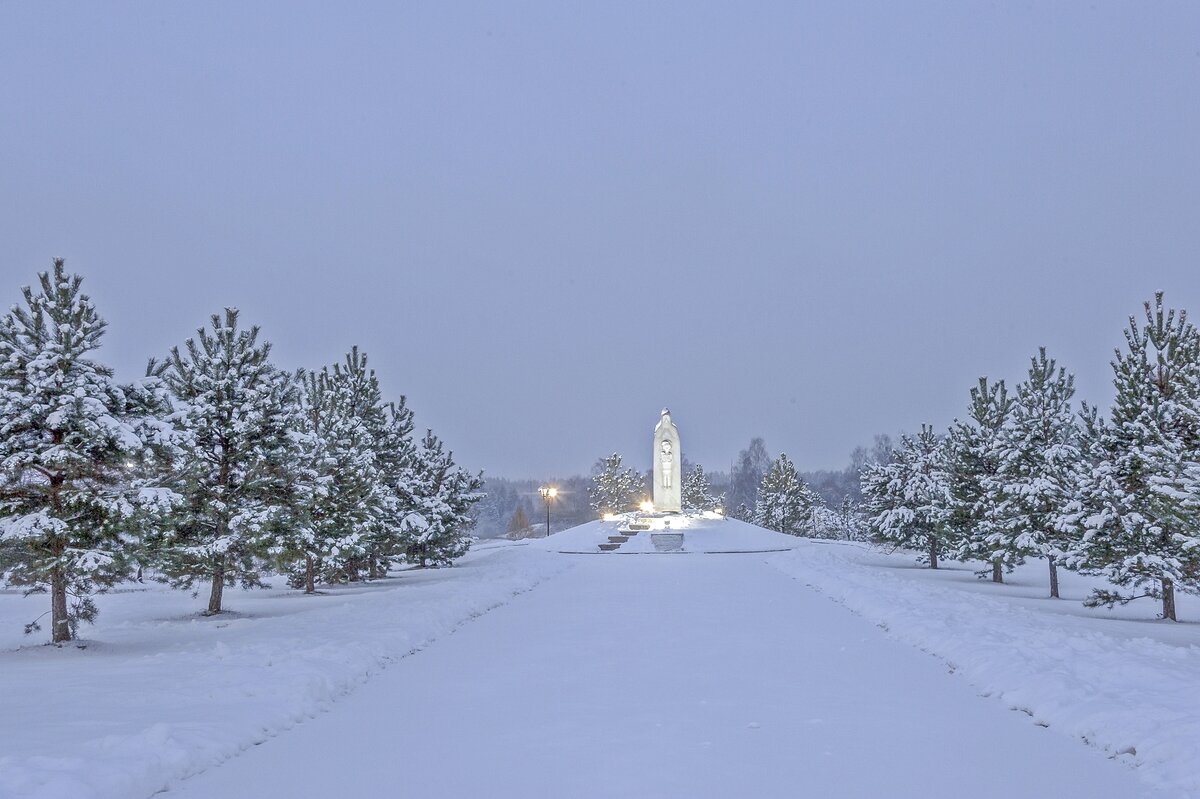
548 493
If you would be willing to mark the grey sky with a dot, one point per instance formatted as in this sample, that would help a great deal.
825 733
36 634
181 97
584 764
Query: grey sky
545 221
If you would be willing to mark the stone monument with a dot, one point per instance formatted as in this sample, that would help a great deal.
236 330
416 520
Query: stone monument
667 472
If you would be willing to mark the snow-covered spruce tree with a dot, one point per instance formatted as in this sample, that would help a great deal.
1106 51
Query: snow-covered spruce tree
74 448
613 489
1039 467
238 415
696 490
973 461
439 495
908 499
1137 511
785 504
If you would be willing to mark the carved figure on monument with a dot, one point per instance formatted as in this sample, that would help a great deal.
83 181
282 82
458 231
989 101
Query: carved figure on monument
667 468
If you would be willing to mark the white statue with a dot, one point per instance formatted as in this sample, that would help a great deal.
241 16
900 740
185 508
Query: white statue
666 463
667 471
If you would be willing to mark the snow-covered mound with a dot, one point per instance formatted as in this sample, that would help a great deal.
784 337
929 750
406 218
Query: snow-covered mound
700 534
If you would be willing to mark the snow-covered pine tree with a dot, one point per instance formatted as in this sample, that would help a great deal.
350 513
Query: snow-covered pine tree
908 499
613 489
1097 488
785 504
846 523
1137 508
440 496
696 490
395 460
298 545
361 490
74 451
973 461
335 482
1039 467
238 415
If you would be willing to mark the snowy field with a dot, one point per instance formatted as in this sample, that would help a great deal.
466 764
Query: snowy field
715 675
160 693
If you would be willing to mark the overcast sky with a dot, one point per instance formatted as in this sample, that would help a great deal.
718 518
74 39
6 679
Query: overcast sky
545 221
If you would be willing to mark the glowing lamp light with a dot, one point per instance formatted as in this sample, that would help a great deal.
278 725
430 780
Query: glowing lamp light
647 506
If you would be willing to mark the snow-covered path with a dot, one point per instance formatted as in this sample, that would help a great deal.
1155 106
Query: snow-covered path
687 675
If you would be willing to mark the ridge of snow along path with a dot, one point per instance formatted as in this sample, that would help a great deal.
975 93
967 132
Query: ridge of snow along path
1116 679
162 694
711 676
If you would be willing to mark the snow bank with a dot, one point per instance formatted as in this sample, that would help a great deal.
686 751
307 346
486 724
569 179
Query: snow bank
1128 687
163 694
699 535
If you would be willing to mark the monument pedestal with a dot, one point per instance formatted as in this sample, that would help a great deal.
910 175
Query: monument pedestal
667 542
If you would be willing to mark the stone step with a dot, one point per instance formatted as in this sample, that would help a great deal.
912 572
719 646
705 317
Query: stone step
609 547
635 527
618 539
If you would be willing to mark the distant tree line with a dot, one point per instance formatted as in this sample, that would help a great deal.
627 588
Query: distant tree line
214 468
1028 475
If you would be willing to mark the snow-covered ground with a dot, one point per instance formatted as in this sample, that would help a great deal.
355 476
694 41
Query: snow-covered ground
715 675
706 676
160 693
1117 679
700 534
